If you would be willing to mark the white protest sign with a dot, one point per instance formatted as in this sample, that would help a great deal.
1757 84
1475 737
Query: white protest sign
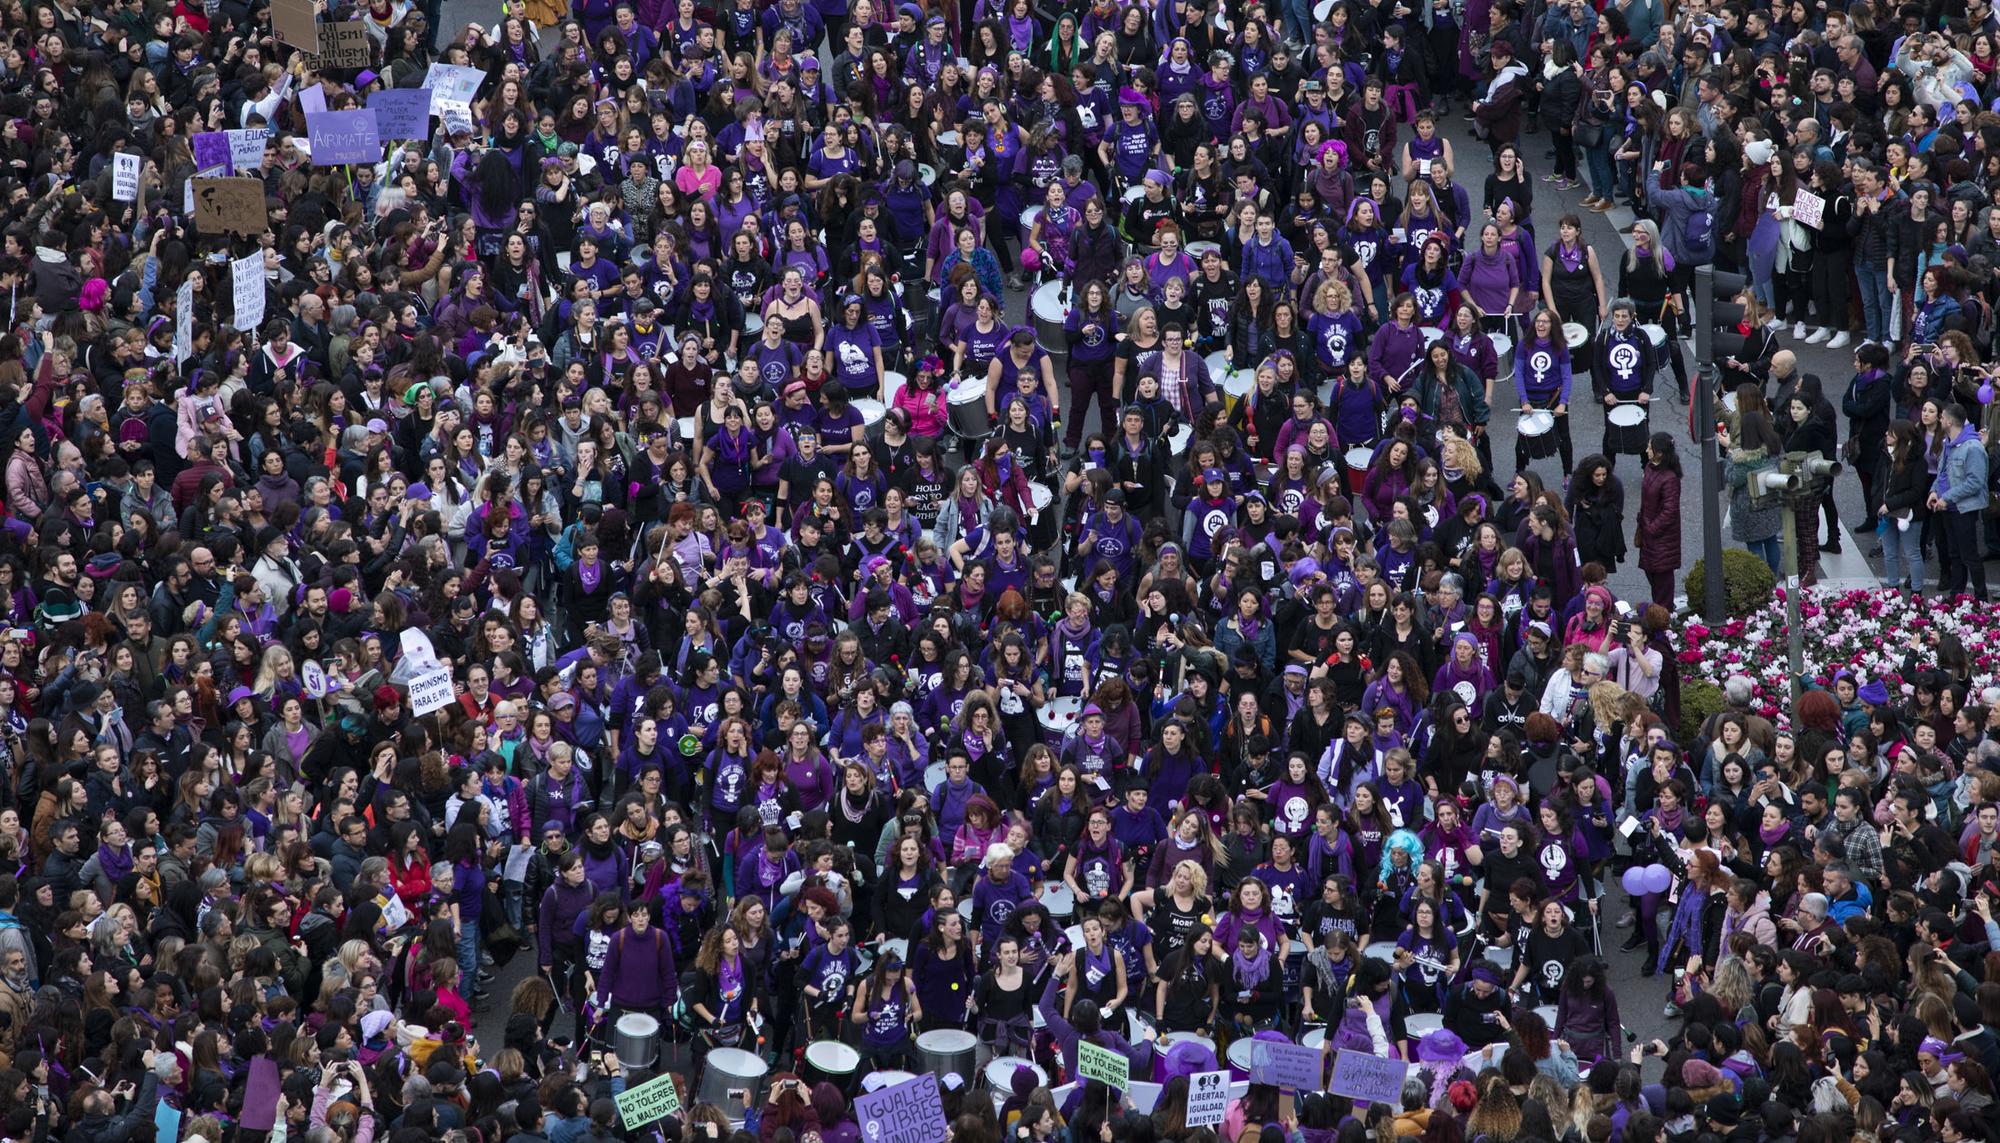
1207 1099
247 277
246 148
125 177
184 321
1808 209
313 677
417 650
430 691
451 85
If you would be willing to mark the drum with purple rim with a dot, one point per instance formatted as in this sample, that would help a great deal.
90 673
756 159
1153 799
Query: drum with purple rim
1058 717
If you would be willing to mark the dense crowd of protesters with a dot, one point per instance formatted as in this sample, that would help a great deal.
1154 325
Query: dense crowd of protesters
635 538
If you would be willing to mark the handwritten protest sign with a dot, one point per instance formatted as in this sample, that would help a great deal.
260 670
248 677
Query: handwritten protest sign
247 289
1359 1075
1285 1065
401 112
246 148
909 1112
229 206
184 321
343 45
430 691
343 137
452 85
1808 209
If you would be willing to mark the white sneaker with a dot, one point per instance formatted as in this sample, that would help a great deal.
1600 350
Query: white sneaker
1799 332
1839 341
1773 323
1819 334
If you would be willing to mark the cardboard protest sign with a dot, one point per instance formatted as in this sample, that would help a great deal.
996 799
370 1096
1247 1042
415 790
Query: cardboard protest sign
230 206
295 23
246 148
344 45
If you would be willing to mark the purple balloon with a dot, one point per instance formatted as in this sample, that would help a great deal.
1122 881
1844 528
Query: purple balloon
1658 879
1986 393
1635 880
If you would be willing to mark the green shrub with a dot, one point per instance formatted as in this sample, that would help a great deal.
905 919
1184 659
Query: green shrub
1747 584
1699 700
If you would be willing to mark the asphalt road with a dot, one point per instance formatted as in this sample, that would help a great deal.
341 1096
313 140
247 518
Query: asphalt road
1641 1000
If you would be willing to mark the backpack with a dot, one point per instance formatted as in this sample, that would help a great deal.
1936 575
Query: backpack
1698 231
565 550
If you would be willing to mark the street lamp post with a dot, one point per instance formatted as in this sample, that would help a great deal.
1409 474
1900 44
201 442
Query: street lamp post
1800 479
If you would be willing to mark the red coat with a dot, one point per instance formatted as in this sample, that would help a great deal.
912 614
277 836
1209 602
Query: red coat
1658 536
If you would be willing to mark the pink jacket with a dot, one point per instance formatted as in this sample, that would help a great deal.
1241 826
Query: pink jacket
926 409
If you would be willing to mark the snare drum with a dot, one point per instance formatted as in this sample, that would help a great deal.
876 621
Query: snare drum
1625 428
687 426
636 1037
753 324
892 384
1049 312
830 1061
927 173
999 1073
1575 333
1356 461
1237 385
1381 950
1028 218
1657 334
1134 193
1177 444
1060 902
1417 1024
965 403
876 1081
1536 429
1503 352
1041 495
1241 1057
1431 334
948 1051
1058 717
871 410
1218 365
726 1068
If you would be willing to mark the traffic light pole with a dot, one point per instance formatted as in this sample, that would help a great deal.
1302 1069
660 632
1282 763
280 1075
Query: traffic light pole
1714 604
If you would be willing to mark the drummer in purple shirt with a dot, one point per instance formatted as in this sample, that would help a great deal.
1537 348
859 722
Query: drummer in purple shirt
1020 355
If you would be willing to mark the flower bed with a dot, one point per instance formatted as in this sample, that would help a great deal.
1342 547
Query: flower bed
1866 632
